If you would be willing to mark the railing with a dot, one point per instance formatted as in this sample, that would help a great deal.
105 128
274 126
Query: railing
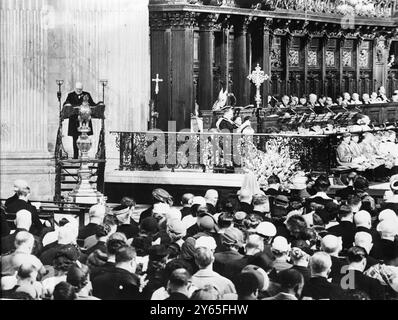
219 152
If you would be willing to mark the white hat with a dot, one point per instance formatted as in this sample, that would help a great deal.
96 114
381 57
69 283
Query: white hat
266 229
388 228
280 244
162 208
206 242
199 200
387 214
173 213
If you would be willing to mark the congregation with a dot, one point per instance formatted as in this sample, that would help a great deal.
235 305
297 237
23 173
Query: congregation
256 244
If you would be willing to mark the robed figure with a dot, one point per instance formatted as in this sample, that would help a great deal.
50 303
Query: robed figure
75 98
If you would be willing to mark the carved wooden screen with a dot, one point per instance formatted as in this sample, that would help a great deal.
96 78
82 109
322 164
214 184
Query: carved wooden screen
296 61
348 60
277 66
365 58
314 65
332 63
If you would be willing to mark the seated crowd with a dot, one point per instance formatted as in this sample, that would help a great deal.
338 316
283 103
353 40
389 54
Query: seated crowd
375 154
256 244
323 104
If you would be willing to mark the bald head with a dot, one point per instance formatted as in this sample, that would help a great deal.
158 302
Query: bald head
97 213
245 195
211 196
186 199
364 240
23 219
24 241
331 244
20 185
78 87
320 264
363 219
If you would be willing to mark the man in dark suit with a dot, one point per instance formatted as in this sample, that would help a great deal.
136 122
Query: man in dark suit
75 99
355 279
318 287
346 228
178 285
119 282
22 203
292 283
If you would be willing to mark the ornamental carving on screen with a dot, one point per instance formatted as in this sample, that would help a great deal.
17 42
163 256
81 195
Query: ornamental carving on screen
347 58
276 60
329 59
312 58
364 58
294 58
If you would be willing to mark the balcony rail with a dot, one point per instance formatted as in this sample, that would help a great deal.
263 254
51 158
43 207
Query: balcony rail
375 8
221 152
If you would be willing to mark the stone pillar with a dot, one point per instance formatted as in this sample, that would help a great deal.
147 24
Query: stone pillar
224 63
241 85
266 59
206 58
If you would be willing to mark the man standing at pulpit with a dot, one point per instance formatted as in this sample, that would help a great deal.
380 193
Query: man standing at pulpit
75 98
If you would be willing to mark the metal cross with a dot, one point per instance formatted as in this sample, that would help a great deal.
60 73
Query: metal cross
258 77
157 80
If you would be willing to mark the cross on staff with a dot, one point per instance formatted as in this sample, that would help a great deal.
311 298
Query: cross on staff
257 77
157 80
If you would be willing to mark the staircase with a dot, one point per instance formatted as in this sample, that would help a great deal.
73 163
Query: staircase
66 169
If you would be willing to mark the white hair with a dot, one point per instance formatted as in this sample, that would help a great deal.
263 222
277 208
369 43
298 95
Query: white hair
23 219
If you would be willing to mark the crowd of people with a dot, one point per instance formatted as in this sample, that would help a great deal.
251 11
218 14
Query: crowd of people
374 154
324 104
256 244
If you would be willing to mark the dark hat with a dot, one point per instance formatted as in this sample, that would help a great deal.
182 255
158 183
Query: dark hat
282 201
149 225
97 258
157 252
233 236
361 183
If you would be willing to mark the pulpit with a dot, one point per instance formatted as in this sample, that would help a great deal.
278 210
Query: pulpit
83 169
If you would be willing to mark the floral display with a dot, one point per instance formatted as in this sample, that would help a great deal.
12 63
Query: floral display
275 160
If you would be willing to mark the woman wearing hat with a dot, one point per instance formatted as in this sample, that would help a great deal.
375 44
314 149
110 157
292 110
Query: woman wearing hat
158 196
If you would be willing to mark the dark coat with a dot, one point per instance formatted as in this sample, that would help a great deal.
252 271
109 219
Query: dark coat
47 256
371 286
346 230
177 296
76 100
11 199
87 231
5 229
319 288
337 265
16 205
223 260
116 284
245 207
7 243
129 230
185 211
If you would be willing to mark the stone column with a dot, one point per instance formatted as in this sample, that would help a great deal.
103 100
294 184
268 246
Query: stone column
241 85
206 58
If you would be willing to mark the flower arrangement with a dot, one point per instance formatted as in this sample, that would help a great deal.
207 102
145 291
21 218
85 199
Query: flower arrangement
275 160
